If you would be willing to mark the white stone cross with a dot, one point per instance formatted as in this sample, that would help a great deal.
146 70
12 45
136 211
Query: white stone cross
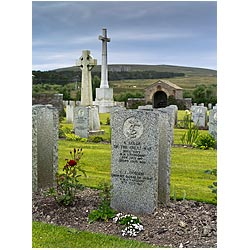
86 63
104 75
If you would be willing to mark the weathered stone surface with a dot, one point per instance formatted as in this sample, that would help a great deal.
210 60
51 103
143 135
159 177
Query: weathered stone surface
44 146
69 113
86 63
139 141
213 122
135 159
199 115
81 121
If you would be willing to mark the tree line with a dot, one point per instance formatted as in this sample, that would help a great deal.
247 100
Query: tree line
65 77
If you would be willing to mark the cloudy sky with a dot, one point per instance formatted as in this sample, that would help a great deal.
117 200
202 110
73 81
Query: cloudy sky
144 32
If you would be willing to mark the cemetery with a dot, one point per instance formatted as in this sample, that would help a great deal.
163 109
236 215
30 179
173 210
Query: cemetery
105 175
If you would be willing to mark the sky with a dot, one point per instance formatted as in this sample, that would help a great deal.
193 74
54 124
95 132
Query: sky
182 33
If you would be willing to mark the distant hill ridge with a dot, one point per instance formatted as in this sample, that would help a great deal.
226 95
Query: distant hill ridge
188 71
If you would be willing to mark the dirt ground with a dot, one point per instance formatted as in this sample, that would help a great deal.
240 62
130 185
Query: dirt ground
181 224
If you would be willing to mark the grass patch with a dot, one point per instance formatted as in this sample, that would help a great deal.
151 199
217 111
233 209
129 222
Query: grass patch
187 174
51 236
187 165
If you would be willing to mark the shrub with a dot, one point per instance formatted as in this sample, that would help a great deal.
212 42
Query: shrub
104 211
213 187
205 141
63 131
73 137
108 121
97 139
67 183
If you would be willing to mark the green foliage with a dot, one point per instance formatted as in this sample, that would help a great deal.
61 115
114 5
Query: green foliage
67 183
73 137
205 141
95 84
190 136
63 131
108 121
123 97
104 211
95 139
205 94
213 187
186 120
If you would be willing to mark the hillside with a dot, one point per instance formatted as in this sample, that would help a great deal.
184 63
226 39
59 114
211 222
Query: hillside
188 71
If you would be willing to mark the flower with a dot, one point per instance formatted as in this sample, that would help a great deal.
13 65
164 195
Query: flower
72 163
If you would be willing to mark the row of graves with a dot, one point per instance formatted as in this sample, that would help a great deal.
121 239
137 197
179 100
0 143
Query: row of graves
141 141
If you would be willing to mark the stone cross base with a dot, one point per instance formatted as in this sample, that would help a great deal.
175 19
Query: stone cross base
104 99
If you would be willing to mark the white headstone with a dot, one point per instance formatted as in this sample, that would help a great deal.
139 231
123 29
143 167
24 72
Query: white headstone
213 122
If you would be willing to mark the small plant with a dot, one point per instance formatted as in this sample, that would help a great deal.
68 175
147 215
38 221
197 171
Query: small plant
104 211
213 187
63 131
192 133
67 183
96 139
206 141
186 120
132 225
108 121
73 137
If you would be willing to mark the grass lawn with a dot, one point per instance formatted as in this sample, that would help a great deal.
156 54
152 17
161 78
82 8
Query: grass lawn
51 236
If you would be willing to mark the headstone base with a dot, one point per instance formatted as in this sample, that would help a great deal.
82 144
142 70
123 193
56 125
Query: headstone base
104 99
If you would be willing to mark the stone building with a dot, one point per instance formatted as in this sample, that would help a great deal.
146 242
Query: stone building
159 92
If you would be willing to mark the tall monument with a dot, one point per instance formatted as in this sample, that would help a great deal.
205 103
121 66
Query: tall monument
86 64
86 116
104 94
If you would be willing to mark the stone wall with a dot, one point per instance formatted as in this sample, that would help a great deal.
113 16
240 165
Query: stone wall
56 100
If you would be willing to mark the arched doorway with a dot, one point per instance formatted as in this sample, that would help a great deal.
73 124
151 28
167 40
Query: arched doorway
160 99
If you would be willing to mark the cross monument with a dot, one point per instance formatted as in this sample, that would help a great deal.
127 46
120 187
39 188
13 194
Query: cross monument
86 63
104 76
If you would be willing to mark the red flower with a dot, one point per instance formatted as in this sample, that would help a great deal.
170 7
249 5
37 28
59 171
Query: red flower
72 163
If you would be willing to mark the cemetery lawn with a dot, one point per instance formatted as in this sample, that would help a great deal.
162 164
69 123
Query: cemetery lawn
51 236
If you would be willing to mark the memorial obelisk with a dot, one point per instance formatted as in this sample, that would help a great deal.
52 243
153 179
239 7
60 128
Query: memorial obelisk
104 94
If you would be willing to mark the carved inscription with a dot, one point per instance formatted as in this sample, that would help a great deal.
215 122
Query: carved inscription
132 177
132 128
132 152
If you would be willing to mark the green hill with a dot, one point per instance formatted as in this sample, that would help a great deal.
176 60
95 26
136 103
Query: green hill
188 71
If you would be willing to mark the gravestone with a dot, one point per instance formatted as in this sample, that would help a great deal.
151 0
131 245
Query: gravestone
175 113
139 139
44 146
199 116
212 128
81 121
69 113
